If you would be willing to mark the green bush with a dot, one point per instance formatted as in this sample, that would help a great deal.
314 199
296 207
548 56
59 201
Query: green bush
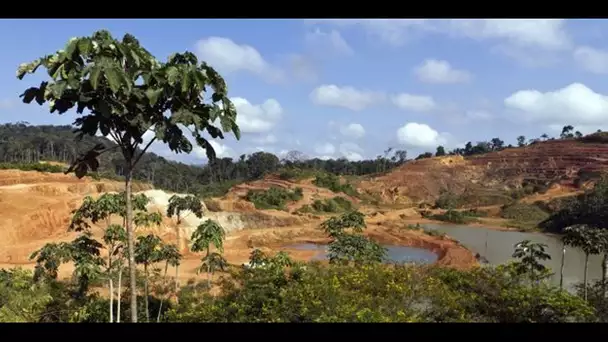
273 198
332 182
41 167
447 200
453 216
332 205
523 212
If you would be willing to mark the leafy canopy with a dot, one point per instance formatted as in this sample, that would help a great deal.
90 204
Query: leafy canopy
128 92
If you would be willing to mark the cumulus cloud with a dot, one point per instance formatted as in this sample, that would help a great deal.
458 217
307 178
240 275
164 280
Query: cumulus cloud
418 135
415 103
351 151
330 42
345 97
228 56
302 67
440 72
592 60
325 149
574 104
257 118
353 130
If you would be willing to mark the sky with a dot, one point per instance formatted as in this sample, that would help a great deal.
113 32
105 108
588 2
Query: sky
354 87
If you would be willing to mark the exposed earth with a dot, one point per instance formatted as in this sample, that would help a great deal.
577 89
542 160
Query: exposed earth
36 207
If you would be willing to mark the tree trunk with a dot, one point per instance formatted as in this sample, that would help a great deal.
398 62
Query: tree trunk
146 292
176 282
561 270
119 293
604 274
160 307
585 275
209 275
130 242
111 285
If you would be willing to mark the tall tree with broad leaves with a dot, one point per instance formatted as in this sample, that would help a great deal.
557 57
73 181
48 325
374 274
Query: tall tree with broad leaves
128 92
590 239
171 256
180 207
336 226
206 234
147 252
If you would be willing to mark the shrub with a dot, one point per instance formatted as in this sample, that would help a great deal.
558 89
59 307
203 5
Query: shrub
273 198
453 216
523 212
332 182
332 205
41 167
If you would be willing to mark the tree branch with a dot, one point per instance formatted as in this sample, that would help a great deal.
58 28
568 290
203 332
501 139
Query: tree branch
142 152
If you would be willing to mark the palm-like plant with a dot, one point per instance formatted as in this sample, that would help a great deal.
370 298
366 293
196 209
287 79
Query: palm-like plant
170 254
88 263
147 252
211 263
206 234
181 207
590 239
49 258
531 254
115 238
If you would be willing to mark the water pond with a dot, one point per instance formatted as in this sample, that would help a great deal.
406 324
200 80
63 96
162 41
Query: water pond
396 254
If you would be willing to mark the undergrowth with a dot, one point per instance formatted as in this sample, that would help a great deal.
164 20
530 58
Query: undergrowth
273 198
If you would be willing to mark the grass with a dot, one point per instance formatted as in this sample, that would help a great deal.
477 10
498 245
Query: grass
523 216
273 198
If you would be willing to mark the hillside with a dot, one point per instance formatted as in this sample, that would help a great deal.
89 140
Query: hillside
567 163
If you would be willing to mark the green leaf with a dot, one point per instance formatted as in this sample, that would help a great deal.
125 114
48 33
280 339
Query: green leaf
28 68
135 57
29 94
94 77
40 93
57 71
159 131
70 47
114 79
153 94
58 88
85 45
172 75
104 109
186 78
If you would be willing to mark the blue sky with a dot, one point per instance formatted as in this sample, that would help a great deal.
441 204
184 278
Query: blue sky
351 88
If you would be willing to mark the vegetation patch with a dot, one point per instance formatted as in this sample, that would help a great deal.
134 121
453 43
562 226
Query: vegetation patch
332 182
273 198
41 167
453 216
296 174
523 216
332 205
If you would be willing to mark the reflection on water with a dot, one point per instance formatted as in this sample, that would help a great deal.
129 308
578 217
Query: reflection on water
396 254
498 246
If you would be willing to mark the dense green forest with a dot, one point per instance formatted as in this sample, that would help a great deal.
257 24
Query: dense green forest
24 143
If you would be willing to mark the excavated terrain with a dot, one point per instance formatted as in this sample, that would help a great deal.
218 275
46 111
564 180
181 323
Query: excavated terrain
567 163
36 207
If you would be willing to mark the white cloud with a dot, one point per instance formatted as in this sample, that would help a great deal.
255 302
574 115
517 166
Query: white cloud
416 103
228 56
328 42
257 118
574 104
593 60
325 149
418 135
266 139
302 67
440 72
394 32
353 130
346 97
351 151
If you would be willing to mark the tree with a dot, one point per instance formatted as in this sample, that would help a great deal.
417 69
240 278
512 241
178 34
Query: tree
85 252
179 205
530 255
440 151
148 251
206 234
171 255
567 132
115 238
544 136
127 93
48 259
521 141
336 226
591 240
211 263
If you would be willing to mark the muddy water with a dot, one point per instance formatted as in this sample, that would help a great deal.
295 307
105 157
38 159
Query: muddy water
396 254
498 246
